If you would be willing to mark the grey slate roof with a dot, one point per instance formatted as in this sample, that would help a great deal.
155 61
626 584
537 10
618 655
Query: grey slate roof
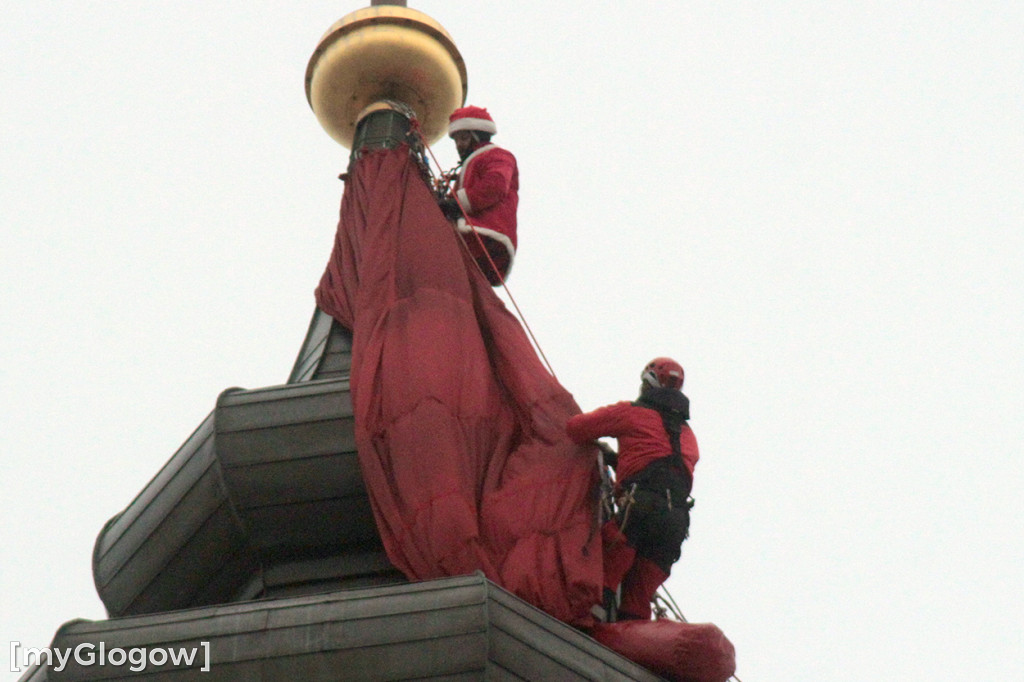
264 498
265 501
463 628
326 352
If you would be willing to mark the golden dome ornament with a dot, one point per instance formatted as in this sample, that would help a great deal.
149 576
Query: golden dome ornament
385 52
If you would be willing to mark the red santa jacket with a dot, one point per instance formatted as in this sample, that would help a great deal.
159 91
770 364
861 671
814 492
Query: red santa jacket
640 432
488 189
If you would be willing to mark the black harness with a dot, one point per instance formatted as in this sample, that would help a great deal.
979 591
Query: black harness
673 423
667 477
654 507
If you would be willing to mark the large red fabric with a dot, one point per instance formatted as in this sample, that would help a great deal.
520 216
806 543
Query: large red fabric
459 427
679 652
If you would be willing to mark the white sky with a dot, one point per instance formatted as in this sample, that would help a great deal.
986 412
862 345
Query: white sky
815 206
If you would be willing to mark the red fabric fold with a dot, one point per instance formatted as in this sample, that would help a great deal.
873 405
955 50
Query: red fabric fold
460 428
679 652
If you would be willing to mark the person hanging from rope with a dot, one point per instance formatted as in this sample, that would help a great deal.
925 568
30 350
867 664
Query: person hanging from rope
486 192
654 476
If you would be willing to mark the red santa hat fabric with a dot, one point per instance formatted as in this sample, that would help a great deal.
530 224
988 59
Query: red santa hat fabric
471 118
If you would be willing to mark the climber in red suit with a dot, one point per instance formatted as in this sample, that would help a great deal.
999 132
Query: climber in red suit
486 192
654 476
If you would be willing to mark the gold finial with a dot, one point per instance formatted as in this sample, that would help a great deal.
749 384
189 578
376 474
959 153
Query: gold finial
385 52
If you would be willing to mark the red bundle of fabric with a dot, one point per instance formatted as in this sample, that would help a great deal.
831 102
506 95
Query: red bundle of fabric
680 652
460 428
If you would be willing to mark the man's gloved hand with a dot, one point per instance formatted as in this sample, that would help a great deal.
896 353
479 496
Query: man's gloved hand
450 208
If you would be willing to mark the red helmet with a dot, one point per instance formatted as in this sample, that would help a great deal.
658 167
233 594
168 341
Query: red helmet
663 373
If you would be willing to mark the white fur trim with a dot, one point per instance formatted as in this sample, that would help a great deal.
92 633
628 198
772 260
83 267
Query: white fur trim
492 234
464 200
467 123
476 152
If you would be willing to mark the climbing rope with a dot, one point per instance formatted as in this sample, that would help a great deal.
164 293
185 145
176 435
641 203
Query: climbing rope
664 603
418 130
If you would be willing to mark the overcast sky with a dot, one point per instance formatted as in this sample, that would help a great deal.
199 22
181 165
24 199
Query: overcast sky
815 206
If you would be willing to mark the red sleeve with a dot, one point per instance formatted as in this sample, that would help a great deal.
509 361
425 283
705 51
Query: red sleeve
492 178
611 421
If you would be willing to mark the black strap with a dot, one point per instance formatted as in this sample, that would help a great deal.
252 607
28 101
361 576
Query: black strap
673 424
674 428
